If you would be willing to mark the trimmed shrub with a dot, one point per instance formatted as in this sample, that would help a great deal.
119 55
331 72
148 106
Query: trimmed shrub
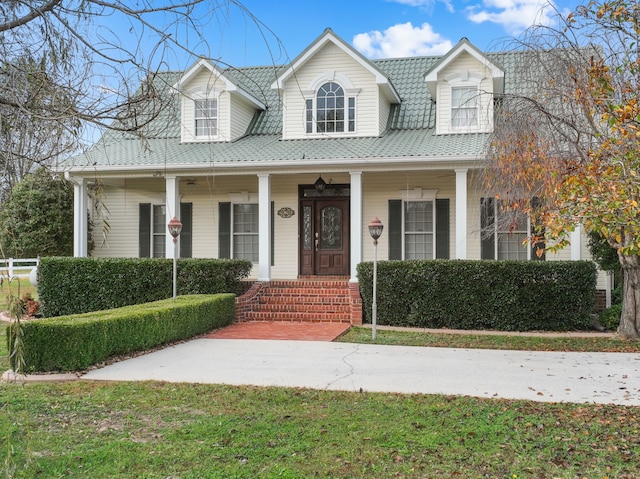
79 285
500 295
75 342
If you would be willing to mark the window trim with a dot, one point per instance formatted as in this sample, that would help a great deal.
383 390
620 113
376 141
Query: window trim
235 234
496 233
460 108
215 118
433 226
147 232
463 79
350 108
158 234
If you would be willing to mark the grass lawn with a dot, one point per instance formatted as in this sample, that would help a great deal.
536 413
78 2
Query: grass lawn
162 430
461 341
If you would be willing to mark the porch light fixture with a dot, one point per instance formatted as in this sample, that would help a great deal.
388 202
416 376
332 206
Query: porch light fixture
375 230
175 227
320 184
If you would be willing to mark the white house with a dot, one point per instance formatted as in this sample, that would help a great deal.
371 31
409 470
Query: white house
286 166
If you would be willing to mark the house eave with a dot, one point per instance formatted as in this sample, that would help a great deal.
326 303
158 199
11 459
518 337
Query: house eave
284 166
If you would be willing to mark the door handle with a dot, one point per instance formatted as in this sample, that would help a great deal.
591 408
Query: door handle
316 245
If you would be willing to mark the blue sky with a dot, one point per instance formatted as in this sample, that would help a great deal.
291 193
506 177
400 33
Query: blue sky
377 28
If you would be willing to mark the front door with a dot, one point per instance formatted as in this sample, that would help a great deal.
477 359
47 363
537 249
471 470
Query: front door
324 236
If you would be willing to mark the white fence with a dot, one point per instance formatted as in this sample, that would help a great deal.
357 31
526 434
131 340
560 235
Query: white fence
17 268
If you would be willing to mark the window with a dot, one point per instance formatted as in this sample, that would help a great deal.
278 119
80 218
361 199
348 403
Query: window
159 231
504 233
206 118
464 107
403 234
152 230
245 232
511 236
419 230
334 113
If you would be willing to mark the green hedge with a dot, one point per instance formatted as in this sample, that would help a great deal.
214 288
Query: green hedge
500 295
75 342
79 285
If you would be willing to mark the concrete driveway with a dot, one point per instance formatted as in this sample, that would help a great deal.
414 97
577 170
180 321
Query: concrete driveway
606 378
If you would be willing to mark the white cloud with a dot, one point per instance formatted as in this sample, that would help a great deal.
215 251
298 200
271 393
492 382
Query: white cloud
514 15
402 40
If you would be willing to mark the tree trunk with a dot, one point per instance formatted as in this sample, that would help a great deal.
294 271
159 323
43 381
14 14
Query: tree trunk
630 317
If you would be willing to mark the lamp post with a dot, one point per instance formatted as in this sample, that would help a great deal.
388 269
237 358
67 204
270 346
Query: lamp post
375 230
175 227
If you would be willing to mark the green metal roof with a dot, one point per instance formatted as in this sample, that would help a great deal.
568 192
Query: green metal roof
410 131
256 148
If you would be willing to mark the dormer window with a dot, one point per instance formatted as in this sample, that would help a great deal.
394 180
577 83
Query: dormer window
206 118
333 111
464 107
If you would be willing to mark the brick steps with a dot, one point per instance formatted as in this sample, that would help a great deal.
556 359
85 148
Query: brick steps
306 300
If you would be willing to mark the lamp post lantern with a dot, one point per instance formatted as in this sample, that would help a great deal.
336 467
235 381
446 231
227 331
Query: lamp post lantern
175 227
375 230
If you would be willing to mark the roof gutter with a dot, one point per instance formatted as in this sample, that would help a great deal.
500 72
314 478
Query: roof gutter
378 164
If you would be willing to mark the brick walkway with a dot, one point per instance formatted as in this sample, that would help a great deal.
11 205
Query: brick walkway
281 330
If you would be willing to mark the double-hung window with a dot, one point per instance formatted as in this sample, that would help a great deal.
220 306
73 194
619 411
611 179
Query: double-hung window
464 107
152 230
418 227
419 230
245 232
505 233
333 112
159 231
206 118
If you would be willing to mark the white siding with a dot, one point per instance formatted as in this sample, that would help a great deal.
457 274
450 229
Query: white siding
379 188
123 216
384 109
122 199
234 113
464 63
325 62
241 115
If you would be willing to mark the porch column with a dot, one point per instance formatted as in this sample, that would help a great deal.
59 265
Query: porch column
264 226
575 239
80 212
461 213
172 208
356 224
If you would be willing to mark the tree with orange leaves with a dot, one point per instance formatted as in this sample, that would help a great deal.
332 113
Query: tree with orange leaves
571 136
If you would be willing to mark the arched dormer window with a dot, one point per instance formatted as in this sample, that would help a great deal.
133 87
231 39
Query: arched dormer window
333 112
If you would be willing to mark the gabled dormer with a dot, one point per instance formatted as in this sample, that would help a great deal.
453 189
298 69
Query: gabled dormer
463 84
213 107
331 90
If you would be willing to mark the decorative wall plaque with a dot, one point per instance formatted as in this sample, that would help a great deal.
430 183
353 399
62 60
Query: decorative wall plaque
286 212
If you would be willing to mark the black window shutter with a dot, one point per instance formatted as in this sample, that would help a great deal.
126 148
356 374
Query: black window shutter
395 229
442 228
537 247
224 230
186 218
273 207
487 231
144 230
